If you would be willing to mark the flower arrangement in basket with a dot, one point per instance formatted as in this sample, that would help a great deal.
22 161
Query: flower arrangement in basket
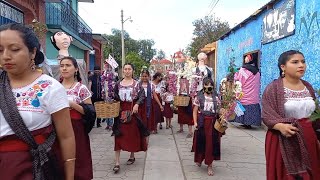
184 77
107 108
315 116
230 91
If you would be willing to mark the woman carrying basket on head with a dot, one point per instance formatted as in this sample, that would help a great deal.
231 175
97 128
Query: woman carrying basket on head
207 140
128 129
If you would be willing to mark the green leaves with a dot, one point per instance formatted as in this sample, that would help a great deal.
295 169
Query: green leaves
316 114
206 30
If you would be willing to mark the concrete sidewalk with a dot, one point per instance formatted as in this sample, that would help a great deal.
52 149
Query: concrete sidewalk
169 157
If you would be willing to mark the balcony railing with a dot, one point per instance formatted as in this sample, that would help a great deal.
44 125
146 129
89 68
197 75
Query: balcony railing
61 14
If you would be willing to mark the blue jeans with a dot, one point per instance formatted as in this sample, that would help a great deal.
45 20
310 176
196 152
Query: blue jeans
109 121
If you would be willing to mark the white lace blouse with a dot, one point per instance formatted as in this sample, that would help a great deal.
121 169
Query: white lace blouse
298 104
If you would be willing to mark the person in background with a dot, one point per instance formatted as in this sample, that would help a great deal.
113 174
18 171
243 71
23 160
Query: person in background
158 116
249 77
292 149
96 88
80 103
167 99
128 135
147 107
185 113
34 112
207 140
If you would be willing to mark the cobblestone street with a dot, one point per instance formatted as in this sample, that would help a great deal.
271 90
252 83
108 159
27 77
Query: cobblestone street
169 157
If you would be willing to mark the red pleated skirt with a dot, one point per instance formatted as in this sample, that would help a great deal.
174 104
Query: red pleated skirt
207 154
168 111
83 164
158 115
276 169
131 140
185 117
148 122
18 164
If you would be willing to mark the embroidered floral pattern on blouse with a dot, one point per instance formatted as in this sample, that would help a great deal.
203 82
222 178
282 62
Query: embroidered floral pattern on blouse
29 100
292 94
129 93
79 93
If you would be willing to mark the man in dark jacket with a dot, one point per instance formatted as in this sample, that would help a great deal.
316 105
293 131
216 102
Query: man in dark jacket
95 87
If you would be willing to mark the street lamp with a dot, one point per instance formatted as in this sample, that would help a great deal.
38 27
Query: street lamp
122 37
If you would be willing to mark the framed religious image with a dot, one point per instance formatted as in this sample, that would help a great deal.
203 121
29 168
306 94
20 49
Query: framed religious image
184 86
279 23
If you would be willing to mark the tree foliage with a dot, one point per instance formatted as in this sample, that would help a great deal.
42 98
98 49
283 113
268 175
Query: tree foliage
137 61
161 54
142 48
206 30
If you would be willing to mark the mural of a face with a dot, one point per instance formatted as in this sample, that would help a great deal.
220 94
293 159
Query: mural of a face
61 40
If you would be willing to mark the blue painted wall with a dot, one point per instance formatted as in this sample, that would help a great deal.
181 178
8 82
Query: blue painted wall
248 38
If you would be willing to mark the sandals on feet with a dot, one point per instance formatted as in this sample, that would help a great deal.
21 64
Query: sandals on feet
198 164
180 131
210 171
131 161
160 127
189 135
116 168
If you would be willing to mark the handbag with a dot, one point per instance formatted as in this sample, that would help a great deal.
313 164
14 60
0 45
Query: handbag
126 116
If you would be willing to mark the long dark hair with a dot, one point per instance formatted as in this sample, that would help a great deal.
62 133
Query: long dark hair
75 64
29 38
145 71
157 74
284 58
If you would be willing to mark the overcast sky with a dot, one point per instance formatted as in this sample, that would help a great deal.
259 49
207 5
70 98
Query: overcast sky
167 22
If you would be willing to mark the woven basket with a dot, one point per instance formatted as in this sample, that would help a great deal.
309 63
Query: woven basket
107 110
181 100
219 126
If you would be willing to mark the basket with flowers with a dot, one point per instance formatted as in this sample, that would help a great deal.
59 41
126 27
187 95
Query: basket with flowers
230 92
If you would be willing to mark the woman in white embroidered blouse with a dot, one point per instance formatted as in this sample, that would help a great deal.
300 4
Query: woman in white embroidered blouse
77 94
207 140
41 102
128 135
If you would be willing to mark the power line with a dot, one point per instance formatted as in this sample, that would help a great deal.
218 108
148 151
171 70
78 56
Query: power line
213 7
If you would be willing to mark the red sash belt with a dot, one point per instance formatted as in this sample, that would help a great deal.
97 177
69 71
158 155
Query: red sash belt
12 143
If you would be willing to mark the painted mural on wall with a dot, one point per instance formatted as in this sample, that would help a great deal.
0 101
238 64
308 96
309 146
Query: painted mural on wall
306 39
248 38
279 23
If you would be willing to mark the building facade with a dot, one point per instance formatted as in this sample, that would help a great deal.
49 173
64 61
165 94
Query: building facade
278 26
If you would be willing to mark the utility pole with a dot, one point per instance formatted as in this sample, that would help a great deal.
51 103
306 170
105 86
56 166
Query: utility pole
122 41
123 58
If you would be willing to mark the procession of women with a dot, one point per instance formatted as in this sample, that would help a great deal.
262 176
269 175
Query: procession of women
46 121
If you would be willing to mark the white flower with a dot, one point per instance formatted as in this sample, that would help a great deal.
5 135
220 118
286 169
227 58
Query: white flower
238 87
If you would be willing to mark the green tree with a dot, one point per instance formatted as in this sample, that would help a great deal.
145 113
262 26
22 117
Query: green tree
206 30
143 48
161 54
137 61
146 50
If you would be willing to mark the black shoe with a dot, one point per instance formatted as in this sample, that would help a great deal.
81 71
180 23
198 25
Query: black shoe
116 168
160 126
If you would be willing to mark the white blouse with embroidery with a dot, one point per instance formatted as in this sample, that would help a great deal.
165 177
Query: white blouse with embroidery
78 93
130 92
36 102
145 87
208 103
298 104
